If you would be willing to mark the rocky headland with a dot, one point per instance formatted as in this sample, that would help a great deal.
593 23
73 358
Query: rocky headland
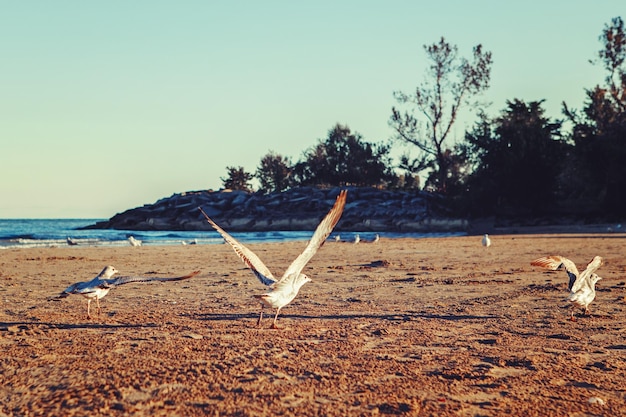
367 209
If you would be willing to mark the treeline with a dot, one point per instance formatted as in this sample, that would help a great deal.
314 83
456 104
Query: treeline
518 163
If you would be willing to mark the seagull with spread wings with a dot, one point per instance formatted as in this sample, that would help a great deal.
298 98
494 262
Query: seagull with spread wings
285 289
103 283
582 285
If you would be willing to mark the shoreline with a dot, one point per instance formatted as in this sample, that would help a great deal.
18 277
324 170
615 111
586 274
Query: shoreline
114 238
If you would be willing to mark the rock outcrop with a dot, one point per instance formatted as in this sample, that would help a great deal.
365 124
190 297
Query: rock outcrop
367 209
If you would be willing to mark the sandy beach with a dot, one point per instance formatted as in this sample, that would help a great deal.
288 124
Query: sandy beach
432 327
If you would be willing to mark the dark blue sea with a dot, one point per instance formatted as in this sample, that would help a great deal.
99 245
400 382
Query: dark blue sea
31 233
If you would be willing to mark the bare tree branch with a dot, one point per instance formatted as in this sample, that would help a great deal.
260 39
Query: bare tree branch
450 83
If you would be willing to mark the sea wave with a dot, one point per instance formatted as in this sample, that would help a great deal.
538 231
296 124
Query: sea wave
37 233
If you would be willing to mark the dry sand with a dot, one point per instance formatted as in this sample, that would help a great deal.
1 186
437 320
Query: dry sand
439 327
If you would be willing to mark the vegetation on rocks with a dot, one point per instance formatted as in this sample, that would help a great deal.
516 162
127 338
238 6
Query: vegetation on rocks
519 164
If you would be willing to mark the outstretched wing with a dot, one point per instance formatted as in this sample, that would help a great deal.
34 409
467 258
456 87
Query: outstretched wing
555 262
584 279
324 229
113 282
247 256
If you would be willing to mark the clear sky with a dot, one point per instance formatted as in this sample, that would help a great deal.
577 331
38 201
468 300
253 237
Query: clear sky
110 105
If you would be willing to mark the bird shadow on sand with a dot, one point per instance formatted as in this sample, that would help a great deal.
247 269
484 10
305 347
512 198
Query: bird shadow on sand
29 325
383 317
222 316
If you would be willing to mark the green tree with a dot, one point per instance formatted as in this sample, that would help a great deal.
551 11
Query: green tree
457 172
238 179
406 181
344 158
452 82
516 160
274 173
597 171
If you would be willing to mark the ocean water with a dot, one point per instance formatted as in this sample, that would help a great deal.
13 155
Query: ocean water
31 233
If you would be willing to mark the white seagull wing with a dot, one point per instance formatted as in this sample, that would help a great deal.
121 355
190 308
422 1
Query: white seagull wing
554 262
324 229
584 278
113 282
247 256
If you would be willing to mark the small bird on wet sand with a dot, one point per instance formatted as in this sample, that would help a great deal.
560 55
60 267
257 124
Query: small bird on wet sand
582 285
71 241
284 290
486 241
133 241
103 283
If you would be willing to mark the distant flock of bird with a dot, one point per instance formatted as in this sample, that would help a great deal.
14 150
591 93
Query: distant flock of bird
284 290
357 239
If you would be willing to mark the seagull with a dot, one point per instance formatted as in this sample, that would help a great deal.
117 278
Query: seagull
133 241
338 238
285 289
357 238
375 240
582 286
486 241
71 241
102 284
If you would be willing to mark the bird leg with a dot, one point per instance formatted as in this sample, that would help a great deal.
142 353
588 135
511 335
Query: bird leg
258 323
274 326
98 305
88 307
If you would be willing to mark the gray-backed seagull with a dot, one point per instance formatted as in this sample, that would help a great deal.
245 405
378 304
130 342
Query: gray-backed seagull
103 283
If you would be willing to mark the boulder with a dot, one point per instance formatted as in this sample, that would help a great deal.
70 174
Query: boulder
367 209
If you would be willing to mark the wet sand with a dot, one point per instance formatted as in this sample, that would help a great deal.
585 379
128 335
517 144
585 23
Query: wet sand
441 327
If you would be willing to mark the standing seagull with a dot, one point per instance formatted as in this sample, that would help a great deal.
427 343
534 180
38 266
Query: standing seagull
582 286
102 284
486 241
284 290
133 241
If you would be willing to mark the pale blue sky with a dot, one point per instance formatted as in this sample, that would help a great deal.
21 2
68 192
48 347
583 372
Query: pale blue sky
109 105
